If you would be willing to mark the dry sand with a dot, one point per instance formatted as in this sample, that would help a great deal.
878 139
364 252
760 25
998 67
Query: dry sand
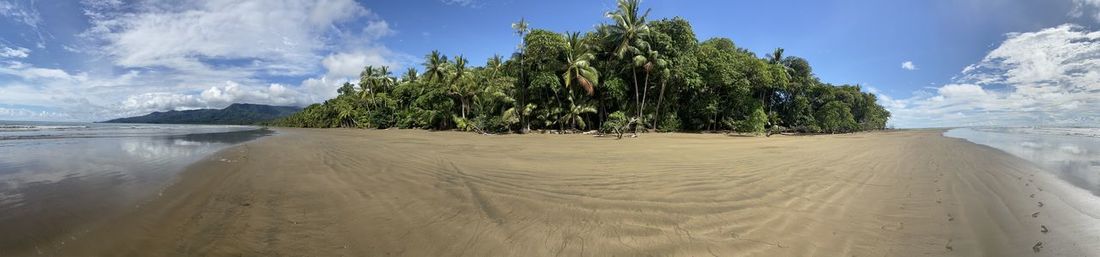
417 193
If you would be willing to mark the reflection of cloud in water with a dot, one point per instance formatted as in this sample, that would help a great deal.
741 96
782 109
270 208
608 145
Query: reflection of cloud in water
1071 158
1031 145
138 162
1072 149
67 181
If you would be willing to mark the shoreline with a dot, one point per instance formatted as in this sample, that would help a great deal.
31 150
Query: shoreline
361 192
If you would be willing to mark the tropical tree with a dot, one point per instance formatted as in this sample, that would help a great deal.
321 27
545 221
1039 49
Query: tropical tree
710 85
521 29
578 71
627 28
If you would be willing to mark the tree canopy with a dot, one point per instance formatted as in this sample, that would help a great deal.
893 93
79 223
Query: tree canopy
650 74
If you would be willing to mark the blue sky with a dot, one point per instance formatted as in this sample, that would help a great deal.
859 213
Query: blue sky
933 63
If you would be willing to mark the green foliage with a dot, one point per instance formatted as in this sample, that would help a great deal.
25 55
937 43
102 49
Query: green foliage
836 117
628 74
754 123
617 123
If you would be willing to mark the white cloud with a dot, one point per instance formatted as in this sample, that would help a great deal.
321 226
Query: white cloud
1047 77
27 15
216 97
1080 7
158 55
463 3
908 65
17 52
251 35
349 65
22 14
26 114
29 72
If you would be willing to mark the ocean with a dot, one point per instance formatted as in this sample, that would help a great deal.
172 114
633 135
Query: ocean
1071 154
56 177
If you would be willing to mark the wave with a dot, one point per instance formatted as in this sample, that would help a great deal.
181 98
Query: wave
38 127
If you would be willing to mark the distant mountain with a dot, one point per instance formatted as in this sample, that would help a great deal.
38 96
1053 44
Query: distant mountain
236 114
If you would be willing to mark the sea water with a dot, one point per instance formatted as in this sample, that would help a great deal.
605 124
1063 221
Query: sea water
56 177
1072 154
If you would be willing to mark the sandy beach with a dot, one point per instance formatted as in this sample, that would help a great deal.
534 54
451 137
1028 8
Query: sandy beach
418 193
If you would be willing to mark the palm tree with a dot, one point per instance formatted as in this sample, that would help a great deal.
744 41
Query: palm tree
627 28
435 66
776 56
574 115
522 30
345 113
460 86
649 60
577 58
367 78
666 75
385 79
410 75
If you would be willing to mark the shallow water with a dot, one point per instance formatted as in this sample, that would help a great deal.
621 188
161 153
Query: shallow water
59 177
1073 156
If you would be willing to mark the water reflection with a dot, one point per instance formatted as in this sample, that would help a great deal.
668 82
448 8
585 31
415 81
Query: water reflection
51 187
1075 159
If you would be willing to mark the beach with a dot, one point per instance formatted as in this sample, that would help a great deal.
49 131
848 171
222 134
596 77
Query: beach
347 192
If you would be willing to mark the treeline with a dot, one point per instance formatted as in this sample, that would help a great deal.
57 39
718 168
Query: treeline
628 73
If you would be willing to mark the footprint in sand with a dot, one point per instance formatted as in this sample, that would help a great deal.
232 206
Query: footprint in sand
1040 204
948 246
1032 195
950 218
1044 229
1035 215
1038 246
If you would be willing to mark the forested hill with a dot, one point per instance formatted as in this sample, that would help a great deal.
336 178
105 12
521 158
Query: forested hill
235 114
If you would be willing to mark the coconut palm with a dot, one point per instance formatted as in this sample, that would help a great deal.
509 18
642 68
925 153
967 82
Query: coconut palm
627 26
574 116
435 66
522 30
410 75
665 76
367 80
649 60
385 79
461 86
578 68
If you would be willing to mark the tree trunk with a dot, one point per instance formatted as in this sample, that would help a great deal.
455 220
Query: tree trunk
637 105
660 98
463 101
645 91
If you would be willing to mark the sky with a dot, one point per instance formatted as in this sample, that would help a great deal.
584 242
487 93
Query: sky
932 63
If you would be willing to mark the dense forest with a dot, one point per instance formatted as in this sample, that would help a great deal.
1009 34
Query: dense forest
630 74
235 114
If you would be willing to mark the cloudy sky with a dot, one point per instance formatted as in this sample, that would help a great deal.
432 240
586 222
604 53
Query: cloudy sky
933 63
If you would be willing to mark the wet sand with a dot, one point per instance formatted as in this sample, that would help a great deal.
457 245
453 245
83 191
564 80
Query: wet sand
417 193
